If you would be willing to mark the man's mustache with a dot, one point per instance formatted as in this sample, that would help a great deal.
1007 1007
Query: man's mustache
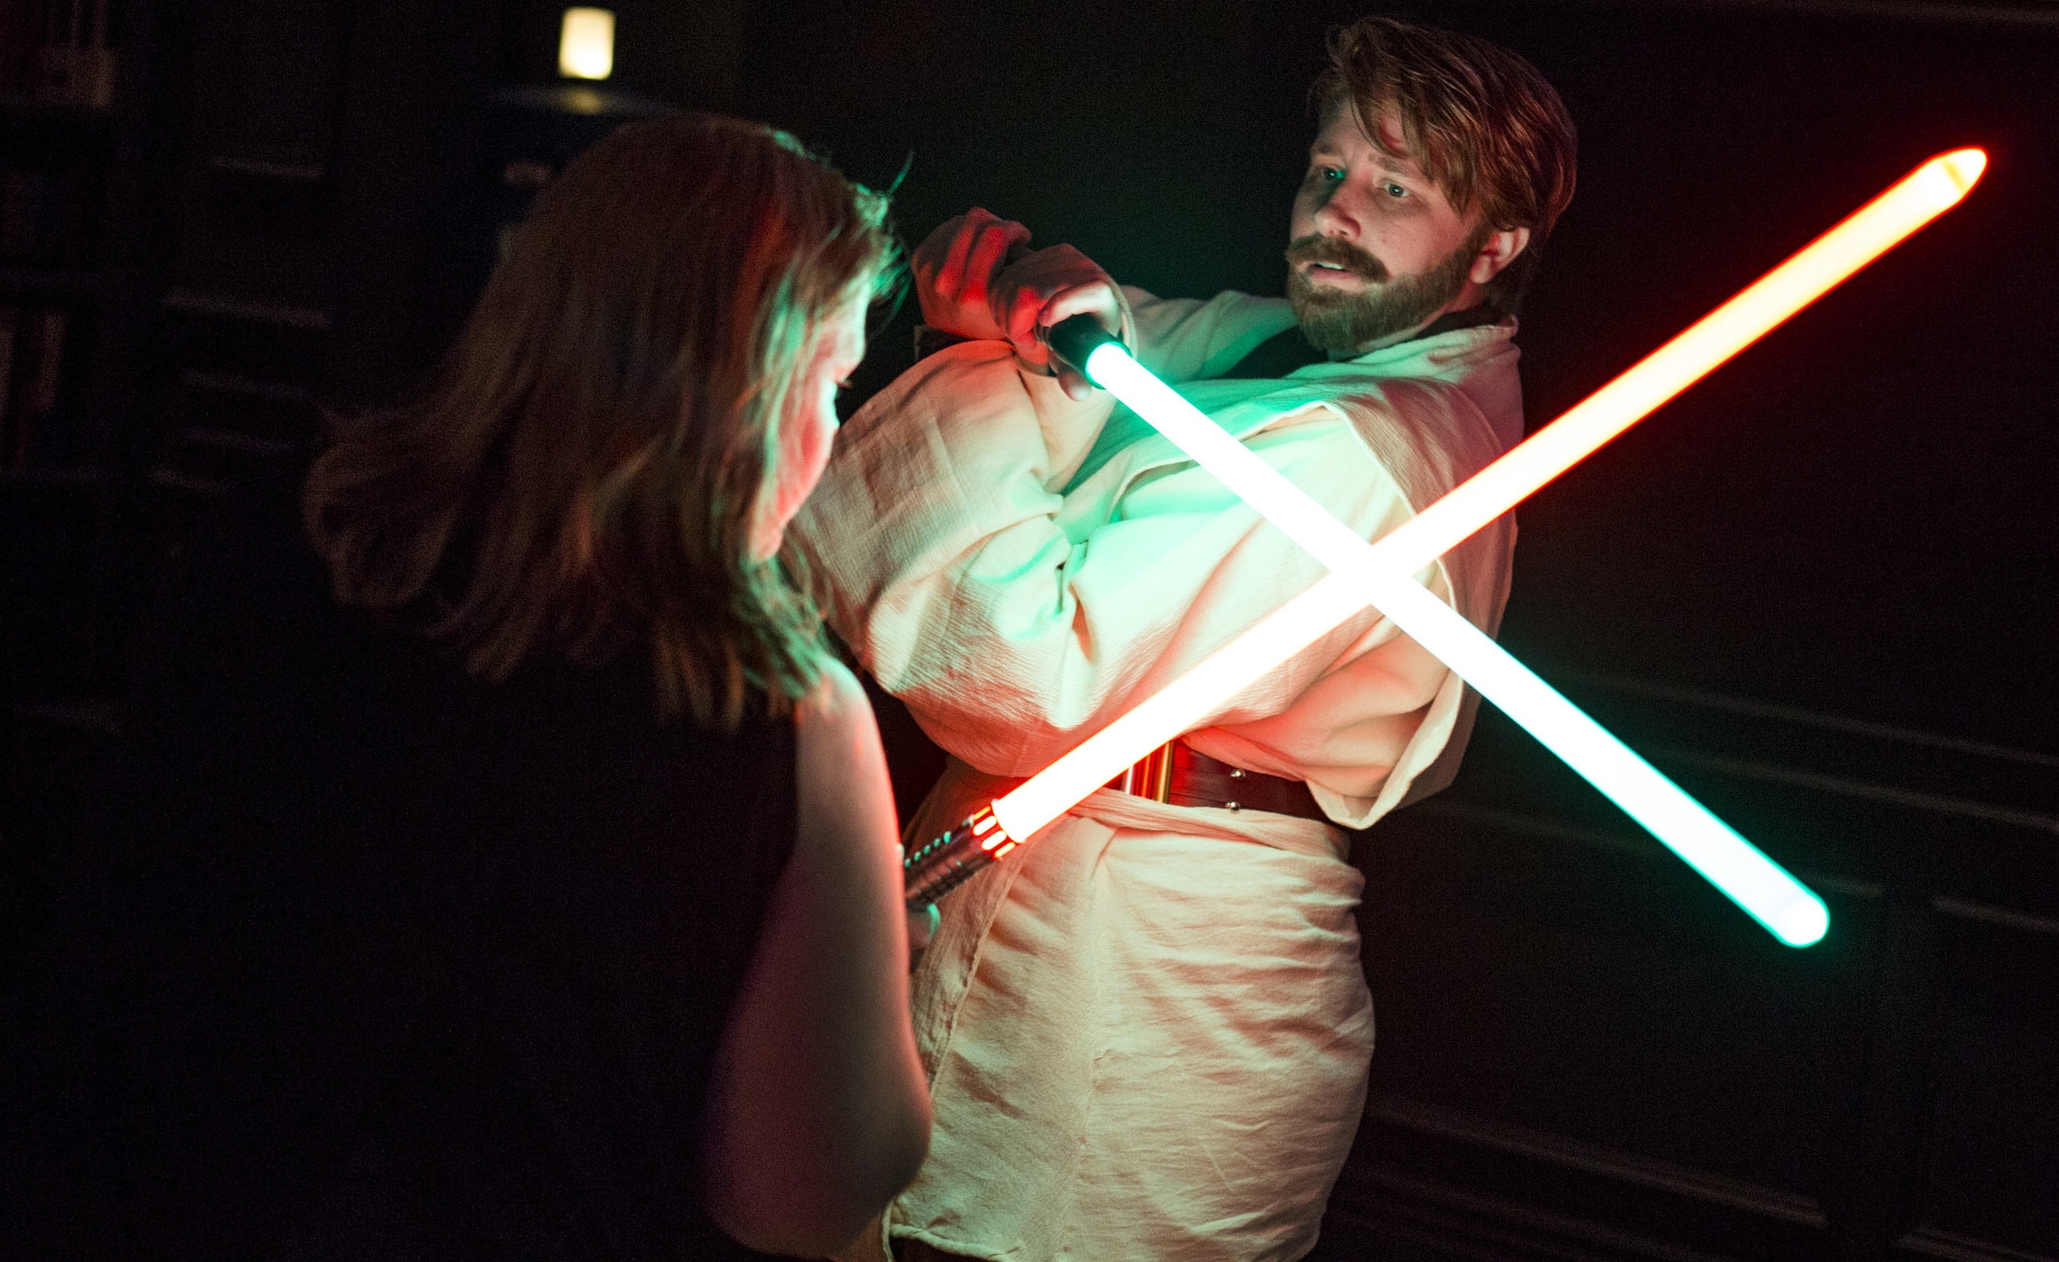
1337 253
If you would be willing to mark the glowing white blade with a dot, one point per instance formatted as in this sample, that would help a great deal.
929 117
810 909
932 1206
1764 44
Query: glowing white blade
1177 707
1257 483
1863 236
1764 889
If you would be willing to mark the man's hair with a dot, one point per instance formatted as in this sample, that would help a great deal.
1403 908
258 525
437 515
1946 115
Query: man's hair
584 477
1481 121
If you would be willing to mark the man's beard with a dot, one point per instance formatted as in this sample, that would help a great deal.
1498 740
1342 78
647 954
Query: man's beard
1333 319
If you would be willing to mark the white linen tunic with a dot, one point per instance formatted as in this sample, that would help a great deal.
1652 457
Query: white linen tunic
1147 1032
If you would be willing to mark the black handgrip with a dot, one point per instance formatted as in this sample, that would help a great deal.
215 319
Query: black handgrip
1074 338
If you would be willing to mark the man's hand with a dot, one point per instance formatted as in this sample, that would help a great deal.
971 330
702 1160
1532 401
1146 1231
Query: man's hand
975 276
955 267
1045 286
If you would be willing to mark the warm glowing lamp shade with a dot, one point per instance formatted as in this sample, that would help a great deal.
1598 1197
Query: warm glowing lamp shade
586 44
1379 574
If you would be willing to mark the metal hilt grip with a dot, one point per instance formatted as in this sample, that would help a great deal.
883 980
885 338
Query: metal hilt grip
941 865
1074 338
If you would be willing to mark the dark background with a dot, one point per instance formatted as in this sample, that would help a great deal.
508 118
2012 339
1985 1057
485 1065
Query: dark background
1817 588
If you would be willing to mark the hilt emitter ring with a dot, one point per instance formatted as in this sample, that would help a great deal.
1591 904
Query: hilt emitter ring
1074 338
941 865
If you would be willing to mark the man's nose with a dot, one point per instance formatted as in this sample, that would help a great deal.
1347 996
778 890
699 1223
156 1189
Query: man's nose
1335 216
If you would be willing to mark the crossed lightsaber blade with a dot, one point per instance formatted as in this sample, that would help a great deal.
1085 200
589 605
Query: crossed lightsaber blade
1380 575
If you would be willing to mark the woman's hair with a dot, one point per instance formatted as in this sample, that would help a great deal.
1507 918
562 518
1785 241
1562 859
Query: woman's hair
1484 124
585 474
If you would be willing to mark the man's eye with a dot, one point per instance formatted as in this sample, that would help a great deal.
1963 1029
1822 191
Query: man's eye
1394 190
1325 175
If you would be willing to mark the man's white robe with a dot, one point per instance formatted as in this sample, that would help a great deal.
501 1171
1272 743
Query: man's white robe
1147 1032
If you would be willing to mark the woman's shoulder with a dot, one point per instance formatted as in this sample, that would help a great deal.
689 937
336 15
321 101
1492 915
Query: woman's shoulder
840 764
836 702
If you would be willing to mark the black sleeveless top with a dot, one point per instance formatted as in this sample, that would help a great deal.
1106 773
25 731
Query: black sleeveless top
421 967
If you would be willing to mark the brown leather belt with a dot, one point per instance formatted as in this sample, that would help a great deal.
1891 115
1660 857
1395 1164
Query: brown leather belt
1181 775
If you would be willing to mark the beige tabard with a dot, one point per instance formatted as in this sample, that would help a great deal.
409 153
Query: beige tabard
1147 1034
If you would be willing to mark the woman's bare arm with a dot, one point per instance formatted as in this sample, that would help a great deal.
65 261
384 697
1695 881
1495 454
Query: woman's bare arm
818 1110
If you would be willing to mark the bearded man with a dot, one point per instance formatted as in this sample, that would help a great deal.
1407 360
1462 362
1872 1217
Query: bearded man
1148 1033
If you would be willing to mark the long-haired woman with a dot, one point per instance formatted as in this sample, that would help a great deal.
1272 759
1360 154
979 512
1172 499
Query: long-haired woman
561 909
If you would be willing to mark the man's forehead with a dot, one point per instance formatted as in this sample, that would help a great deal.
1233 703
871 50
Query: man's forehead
1343 134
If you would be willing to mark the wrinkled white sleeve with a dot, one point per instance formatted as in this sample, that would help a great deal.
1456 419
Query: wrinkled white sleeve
936 544
1187 339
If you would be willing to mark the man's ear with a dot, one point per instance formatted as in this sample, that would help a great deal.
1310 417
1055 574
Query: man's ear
1500 250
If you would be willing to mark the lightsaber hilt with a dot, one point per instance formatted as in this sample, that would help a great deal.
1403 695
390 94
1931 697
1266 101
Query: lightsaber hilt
1074 338
941 865
944 863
